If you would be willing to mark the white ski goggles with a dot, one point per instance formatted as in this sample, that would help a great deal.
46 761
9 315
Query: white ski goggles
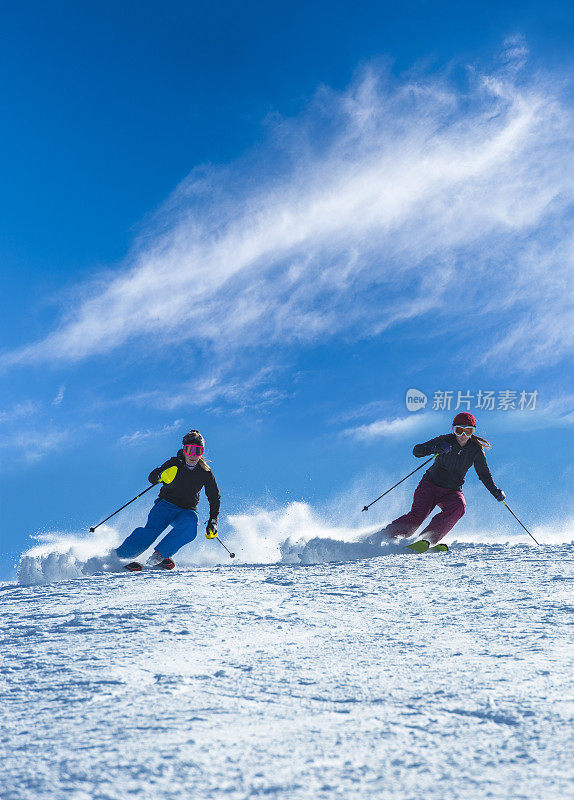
459 430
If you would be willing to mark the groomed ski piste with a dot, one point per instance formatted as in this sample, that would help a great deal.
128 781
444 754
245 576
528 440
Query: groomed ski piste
321 663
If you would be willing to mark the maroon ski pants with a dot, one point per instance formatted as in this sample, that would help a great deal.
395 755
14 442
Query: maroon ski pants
427 496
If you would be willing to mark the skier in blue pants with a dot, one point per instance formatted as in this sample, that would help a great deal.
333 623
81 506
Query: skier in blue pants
183 477
162 514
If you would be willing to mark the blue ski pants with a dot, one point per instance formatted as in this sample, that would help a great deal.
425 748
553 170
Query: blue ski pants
162 514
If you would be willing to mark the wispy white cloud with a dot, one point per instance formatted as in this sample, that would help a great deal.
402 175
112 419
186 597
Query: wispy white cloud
139 437
361 412
515 53
35 442
395 427
380 204
216 390
35 445
537 298
18 411
557 412
57 401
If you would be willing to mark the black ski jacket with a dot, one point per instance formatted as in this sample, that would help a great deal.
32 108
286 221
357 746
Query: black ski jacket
185 488
449 469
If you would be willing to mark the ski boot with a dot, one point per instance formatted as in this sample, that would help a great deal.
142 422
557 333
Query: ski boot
155 559
167 563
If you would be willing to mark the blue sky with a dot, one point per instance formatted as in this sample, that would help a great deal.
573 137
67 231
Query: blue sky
270 221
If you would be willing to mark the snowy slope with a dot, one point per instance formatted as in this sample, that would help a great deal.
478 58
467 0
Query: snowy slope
399 676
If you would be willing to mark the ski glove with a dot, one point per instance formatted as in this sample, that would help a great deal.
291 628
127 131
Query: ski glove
167 475
443 447
500 496
211 530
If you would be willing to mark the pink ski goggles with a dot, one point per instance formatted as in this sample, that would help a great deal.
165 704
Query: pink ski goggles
193 449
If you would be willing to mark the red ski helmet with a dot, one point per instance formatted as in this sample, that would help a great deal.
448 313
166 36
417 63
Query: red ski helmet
464 419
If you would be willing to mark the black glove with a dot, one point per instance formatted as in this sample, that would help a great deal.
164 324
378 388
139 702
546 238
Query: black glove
500 496
443 447
211 529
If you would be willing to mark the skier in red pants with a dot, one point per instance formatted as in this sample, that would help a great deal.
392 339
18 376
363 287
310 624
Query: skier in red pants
441 485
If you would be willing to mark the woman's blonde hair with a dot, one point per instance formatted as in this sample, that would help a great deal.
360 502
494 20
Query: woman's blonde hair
203 464
484 443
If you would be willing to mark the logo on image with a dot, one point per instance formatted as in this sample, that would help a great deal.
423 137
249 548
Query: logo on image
416 400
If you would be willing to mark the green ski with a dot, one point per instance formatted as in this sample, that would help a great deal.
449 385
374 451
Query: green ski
438 548
419 547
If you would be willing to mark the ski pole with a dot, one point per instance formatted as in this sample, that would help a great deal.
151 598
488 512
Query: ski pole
231 555
520 523
153 486
366 508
